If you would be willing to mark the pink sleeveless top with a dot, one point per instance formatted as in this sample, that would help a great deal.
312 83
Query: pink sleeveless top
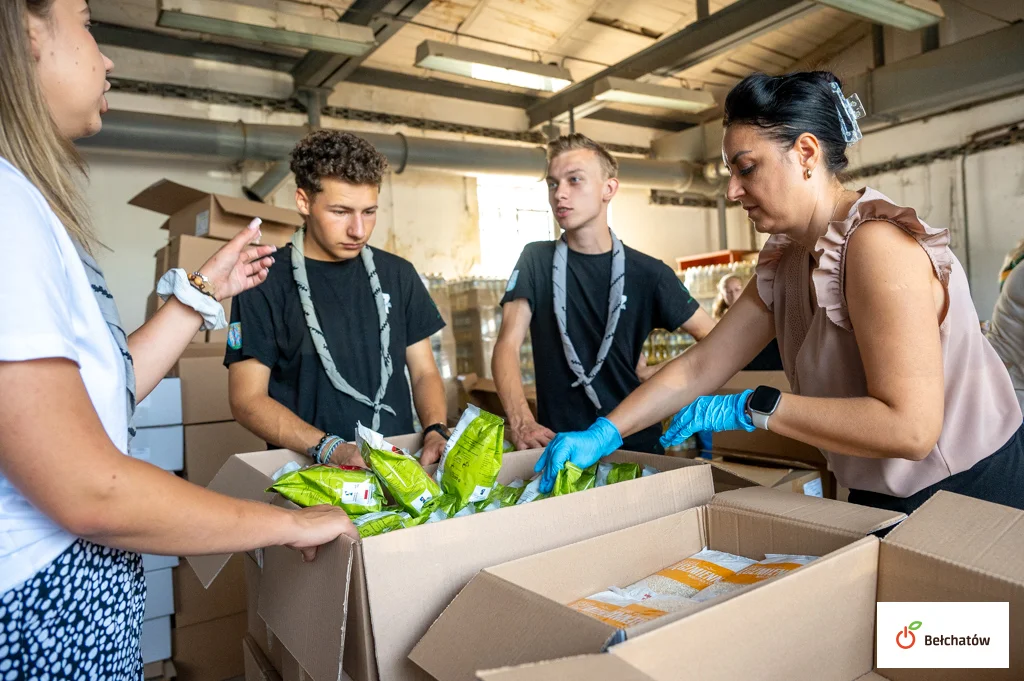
821 358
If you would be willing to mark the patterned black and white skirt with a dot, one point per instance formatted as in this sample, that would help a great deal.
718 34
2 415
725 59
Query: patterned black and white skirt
80 617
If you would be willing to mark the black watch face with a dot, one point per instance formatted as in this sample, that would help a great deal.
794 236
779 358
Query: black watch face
765 400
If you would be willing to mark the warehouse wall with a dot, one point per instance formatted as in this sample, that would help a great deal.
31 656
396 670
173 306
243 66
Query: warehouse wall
429 218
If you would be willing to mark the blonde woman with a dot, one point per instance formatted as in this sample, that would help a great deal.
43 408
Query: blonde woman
730 287
74 510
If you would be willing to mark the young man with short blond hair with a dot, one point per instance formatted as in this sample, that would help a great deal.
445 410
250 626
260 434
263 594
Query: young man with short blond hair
589 303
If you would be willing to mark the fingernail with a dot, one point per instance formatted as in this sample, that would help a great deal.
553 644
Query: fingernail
273 248
255 224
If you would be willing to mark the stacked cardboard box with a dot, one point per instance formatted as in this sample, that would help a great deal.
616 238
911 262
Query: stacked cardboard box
476 318
198 223
209 623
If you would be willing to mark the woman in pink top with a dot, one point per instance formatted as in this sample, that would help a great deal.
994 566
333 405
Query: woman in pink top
891 376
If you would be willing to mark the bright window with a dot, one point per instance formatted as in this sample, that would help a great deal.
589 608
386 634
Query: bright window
514 211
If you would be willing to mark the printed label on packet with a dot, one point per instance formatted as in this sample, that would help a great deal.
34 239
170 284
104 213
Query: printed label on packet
357 493
422 499
480 493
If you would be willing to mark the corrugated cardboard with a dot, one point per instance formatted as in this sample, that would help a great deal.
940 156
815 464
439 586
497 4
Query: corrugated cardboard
204 384
401 581
159 671
159 594
208 446
163 446
196 213
194 604
582 668
210 651
161 264
155 640
162 407
797 480
257 666
153 562
515 613
818 623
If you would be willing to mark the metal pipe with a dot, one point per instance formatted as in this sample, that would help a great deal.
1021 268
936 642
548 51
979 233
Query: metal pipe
235 142
269 183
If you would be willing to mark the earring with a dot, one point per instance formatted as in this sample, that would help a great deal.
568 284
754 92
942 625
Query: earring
807 173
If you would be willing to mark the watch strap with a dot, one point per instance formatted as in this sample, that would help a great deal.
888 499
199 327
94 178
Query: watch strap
438 428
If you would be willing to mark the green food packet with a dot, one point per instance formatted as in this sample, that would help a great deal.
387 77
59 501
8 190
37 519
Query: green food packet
401 474
502 496
611 473
381 522
354 489
472 458
532 492
573 479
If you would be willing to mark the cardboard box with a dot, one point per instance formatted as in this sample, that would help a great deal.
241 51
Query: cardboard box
159 671
393 586
765 442
159 594
190 252
204 384
257 666
209 445
192 212
210 651
797 480
818 624
483 393
163 446
161 264
194 604
162 407
155 640
476 324
153 562
515 613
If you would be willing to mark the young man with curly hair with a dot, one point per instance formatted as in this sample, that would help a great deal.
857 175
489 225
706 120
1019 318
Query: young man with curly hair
325 342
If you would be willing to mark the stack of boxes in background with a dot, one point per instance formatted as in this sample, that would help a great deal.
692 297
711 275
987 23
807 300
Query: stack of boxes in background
443 342
209 624
476 318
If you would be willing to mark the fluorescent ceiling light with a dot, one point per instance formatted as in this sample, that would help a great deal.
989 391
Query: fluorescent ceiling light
627 91
909 15
266 26
495 68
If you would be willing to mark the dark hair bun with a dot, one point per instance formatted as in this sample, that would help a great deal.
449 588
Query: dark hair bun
790 105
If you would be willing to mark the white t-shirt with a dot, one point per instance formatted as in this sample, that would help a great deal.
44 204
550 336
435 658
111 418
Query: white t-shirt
48 309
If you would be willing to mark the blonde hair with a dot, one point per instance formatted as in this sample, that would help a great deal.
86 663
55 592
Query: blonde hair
576 141
719 307
29 138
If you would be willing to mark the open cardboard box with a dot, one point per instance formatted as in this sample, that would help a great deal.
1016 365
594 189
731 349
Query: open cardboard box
362 606
194 212
818 623
515 613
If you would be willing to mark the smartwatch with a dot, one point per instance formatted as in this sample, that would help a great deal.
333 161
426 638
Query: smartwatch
438 428
762 404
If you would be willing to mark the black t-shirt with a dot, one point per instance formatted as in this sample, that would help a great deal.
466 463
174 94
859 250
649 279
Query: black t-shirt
655 299
267 324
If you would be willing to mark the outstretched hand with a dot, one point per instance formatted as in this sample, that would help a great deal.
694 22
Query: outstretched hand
241 264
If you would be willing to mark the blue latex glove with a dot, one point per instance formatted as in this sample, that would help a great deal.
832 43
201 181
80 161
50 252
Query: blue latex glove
584 449
715 413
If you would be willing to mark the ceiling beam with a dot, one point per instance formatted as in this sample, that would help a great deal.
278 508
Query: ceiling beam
385 17
724 30
985 67
823 55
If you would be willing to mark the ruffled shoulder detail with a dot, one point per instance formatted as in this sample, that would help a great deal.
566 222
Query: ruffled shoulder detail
830 249
768 267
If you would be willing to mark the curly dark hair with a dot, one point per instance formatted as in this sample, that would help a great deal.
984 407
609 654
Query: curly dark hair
339 155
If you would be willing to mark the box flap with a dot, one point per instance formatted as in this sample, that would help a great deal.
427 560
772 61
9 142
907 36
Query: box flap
254 209
765 476
291 591
493 622
872 676
816 623
582 668
824 512
167 197
977 534
243 476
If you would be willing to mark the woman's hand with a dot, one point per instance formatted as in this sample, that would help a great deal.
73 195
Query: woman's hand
710 412
239 265
319 525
